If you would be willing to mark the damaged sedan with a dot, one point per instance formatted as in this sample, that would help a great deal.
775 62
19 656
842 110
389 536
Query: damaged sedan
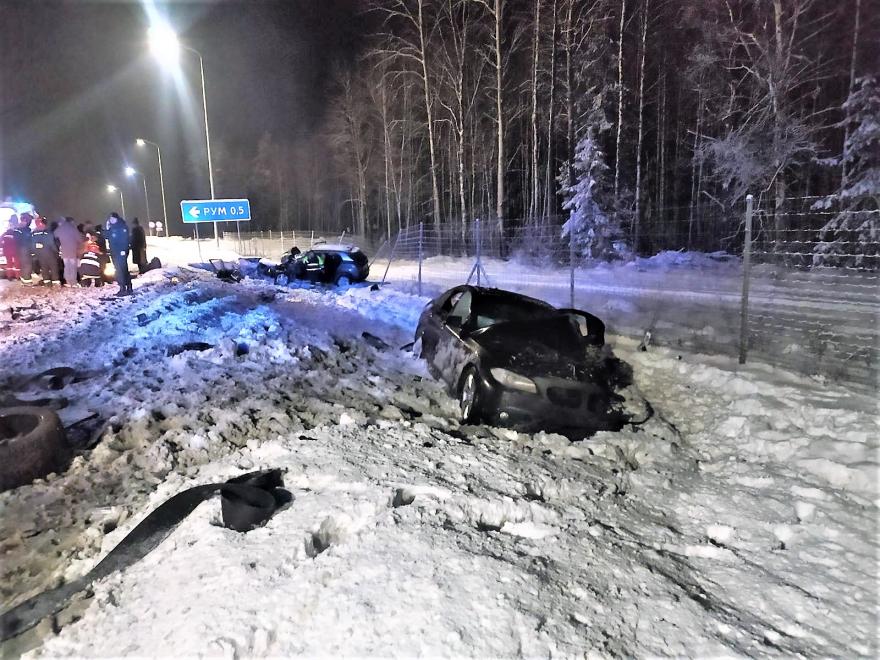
516 361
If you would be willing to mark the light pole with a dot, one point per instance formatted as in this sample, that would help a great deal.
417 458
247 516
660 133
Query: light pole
141 142
112 189
129 172
165 46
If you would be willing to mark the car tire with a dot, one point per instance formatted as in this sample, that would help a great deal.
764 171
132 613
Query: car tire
282 280
32 444
343 281
470 397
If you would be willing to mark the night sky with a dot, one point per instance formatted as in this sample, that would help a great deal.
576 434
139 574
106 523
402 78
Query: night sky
78 85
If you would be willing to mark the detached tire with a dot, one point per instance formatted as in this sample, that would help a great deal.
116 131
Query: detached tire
470 398
32 444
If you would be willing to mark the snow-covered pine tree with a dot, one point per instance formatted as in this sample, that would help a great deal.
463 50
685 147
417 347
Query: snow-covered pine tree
592 221
852 237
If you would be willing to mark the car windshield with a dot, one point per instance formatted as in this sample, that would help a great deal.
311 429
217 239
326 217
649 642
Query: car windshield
489 310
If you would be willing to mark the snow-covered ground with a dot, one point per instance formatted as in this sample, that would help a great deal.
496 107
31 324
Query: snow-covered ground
741 520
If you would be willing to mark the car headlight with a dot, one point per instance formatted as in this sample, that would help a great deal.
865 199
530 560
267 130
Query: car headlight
513 380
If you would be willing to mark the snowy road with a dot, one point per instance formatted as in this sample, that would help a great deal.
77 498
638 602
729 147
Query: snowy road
742 520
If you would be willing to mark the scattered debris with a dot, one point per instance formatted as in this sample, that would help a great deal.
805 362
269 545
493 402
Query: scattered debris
188 346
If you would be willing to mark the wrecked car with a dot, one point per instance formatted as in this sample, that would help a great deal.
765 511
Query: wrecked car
516 361
342 265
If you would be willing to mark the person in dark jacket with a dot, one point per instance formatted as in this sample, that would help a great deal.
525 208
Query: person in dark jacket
46 251
138 246
25 245
100 239
119 244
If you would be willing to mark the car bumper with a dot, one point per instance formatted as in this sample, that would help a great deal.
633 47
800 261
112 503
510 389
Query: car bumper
558 406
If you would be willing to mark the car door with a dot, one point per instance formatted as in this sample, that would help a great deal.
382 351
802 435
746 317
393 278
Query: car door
431 321
451 353
591 328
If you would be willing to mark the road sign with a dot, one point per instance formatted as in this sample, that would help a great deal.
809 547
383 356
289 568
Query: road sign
215 210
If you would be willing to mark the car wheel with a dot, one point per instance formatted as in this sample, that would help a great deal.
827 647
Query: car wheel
32 444
469 398
282 280
343 281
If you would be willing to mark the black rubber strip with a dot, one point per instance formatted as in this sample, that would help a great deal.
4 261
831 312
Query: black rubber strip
248 501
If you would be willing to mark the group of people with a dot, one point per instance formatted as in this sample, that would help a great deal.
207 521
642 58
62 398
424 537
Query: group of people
65 253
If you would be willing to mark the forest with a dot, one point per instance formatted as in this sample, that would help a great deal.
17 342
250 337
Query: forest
656 116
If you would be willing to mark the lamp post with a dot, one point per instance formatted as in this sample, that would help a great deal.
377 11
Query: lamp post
165 46
129 172
141 142
112 189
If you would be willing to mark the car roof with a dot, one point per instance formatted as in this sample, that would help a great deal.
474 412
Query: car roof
512 296
334 247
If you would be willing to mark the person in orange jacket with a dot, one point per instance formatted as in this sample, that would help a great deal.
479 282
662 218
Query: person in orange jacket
9 267
91 264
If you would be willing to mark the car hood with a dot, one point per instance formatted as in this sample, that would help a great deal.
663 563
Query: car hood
542 347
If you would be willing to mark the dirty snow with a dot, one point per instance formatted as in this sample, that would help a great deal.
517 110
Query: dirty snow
741 520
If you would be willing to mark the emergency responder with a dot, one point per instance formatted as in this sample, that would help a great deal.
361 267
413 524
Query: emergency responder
46 251
315 267
10 250
24 245
91 265
116 232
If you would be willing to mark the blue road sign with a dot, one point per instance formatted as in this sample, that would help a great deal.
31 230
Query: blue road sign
215 210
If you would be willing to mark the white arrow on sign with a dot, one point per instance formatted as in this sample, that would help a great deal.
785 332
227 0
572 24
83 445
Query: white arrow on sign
194 211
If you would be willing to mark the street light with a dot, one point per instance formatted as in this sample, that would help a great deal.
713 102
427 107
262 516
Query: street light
112 189
130 172
165 47
141 142
164 44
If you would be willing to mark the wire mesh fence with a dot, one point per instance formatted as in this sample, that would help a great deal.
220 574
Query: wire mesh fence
273 244
817 273
808 301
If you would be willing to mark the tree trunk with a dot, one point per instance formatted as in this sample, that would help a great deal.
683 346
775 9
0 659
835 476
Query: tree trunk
569 99
435 191
852 77
549 192
637 218
386 143
619 99
694 191
499 118
533 198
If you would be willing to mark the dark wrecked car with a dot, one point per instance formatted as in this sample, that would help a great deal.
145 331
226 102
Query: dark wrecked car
520 362
341 265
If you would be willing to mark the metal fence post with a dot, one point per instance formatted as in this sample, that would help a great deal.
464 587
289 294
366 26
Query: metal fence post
198 242
391 256
571 255
747 262
479 242
421 241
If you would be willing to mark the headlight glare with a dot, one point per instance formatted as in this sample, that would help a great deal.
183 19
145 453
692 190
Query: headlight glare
513 380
